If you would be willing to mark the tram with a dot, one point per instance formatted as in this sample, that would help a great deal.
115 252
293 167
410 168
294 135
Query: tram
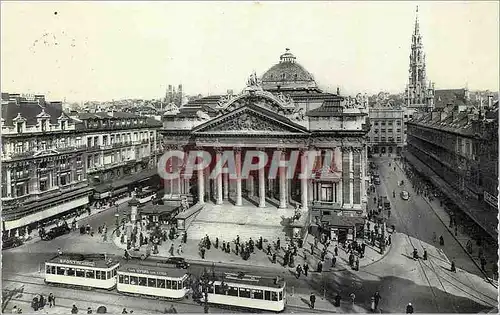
95 271
153 280
248 291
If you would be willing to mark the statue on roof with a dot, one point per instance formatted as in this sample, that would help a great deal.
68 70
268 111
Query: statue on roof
253 80
171 109
202 115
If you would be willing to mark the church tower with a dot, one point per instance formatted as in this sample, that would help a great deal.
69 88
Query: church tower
418 94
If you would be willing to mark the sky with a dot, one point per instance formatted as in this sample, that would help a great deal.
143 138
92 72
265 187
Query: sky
114 50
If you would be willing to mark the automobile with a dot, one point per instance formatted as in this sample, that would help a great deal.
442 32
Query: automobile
177 262
56 231
137 253
11 242
405 195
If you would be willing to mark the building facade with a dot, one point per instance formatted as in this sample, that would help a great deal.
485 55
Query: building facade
387 133
55 163
121 150
283 111
43 163
418 93
461 147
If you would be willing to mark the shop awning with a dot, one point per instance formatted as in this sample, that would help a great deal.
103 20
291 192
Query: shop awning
345 221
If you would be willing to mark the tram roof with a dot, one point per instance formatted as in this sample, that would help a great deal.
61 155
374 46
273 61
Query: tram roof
85 260
241 278
153 269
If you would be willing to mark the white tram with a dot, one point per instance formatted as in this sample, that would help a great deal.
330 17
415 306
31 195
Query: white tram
248 291
82 270
157 281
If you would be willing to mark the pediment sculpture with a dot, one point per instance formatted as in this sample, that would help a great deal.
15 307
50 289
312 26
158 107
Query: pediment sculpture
285 99
224 100
248 122
253 80
299 114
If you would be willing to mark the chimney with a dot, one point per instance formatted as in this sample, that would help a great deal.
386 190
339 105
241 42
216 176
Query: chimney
490 101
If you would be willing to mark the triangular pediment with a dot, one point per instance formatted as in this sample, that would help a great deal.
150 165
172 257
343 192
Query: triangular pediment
250 119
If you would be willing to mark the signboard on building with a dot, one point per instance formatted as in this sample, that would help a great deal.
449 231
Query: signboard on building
76 262
492 200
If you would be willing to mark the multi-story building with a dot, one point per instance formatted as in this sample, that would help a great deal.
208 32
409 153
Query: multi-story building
52 161
418 94
387 132
44 175
284 110
122 149
460 150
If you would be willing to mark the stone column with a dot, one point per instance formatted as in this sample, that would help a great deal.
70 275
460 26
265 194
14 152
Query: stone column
201 186
304 181
239 200
262 185
9 183
351 179
219 177
250 185
225 176
282 174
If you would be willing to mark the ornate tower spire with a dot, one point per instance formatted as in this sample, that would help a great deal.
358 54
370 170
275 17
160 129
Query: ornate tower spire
418 93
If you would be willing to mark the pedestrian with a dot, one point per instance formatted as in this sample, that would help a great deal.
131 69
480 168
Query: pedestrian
216 245
202 253
337 300
52 300
353 297
171 250
357 264
89 310
377 298
179 250
184 237
59 251
237 239
425 254
268 248
389 239
223 246
334 261
228 248
41 302
74 309
306 269
409 309
278 244
124 311
372 305
312 249
312 300
453 268
320 267
441 240
483 264
298 270
274 258
336 250
14 309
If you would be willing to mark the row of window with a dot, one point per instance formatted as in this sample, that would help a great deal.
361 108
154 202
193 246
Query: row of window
81 273
389 123
383 139
152 282
247 293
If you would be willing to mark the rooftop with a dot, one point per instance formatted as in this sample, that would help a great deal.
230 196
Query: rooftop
84 260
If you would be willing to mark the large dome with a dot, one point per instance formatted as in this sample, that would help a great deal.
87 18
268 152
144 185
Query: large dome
287 74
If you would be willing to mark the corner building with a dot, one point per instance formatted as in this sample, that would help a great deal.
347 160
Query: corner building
283 111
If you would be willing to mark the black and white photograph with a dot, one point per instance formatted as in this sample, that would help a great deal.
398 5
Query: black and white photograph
249 157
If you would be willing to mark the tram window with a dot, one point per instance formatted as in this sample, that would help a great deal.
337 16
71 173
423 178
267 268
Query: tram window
133 280
60 271
126 280
219 290
210 289
108 275
47 269
281 295
160 283
114 272
274 295
80 273
152 282
90 274
98 274
120 278
103 275
233 291
143 281
169 284
174 285
245 293
71 272
258 294
53 270
267 295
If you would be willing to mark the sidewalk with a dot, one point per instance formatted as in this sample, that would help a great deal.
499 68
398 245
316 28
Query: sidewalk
190 251
461 237
34 234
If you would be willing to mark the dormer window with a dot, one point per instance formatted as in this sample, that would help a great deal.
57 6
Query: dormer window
20 127
283 76
44 125
63 125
